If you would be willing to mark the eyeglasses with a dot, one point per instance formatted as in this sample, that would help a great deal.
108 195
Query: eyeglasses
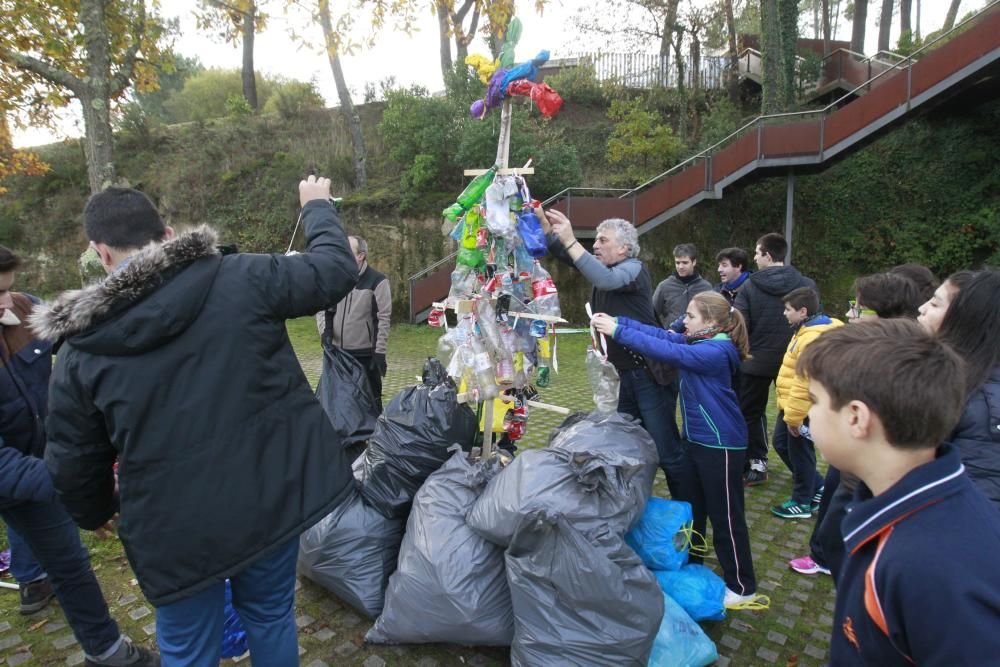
855 311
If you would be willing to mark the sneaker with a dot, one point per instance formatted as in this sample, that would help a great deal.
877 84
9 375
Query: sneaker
757 474
128 654
734 600
35 596
806 565
817 497
792 510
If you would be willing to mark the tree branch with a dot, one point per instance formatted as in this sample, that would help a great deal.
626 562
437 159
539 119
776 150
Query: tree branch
459 16
119 82
44 70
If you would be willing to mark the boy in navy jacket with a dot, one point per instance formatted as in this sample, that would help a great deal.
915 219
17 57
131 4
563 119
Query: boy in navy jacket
920 584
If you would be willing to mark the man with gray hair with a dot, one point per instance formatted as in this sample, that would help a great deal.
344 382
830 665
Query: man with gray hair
359 323
622 287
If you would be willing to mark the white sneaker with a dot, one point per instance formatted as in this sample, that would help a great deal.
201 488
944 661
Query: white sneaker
734 600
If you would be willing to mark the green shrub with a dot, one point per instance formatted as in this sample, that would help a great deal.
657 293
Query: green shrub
294 98
578 85
641 143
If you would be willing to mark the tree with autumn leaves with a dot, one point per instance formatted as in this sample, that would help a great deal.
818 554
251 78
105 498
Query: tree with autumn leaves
54 51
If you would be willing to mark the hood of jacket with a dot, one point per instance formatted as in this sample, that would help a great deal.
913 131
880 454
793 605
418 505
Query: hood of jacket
147 302
777 280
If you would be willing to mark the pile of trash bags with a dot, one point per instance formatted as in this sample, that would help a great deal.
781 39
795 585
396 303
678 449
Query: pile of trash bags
552 553
353 550
494 556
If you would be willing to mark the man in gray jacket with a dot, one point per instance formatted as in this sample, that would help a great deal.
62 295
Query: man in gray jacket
672 296
359 324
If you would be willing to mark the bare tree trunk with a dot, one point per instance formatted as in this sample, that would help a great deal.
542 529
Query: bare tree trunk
949 20
94 97
359 154
734 64
669 28
771 55
905 10
917 32
249 76
464 37
444 37
858 30
826 28
695 61
885 25
815 8
836 20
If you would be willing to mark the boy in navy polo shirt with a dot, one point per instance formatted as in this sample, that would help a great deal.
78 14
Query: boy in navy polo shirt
920 584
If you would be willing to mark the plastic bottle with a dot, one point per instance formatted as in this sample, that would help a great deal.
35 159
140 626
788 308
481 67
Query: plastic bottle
473 192
453 212
544 359
546 296
482 367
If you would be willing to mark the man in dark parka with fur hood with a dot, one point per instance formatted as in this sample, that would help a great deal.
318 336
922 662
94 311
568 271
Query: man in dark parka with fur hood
179 366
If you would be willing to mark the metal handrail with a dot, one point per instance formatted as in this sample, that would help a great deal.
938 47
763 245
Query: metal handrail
759 120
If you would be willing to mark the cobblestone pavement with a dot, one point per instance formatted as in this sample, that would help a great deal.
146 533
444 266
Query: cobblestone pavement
794 631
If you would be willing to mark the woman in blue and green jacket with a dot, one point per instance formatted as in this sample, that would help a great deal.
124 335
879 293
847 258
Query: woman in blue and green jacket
708 356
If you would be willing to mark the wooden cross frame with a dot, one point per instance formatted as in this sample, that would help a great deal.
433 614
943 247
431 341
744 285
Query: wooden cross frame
465 306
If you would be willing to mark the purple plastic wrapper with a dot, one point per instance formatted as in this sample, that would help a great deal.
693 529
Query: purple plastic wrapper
4 560
496 90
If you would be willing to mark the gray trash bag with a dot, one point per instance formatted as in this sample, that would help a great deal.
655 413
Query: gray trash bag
621 441
450 585
411 440
584 488
579 600
351 552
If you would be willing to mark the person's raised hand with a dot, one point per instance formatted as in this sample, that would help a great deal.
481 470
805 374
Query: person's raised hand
313 187
561 226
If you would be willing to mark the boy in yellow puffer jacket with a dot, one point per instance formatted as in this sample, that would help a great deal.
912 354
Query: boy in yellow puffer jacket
791 441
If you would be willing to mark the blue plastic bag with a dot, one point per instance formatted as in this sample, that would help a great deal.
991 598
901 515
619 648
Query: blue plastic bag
531 233
680 642
234 637
698 590
661 538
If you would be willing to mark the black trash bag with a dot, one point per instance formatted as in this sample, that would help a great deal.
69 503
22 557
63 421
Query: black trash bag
583 487
620 441
351 552
451 585
579 600
346 396
411 440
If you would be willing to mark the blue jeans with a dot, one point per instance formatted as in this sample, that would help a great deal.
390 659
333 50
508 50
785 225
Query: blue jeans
55 540
189 632
655 406
798 453
24 566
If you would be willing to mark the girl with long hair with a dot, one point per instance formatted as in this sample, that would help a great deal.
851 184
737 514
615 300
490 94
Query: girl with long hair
964 313
708 356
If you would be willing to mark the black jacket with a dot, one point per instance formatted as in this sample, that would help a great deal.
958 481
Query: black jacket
977 437
760 301
179 365
24 393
